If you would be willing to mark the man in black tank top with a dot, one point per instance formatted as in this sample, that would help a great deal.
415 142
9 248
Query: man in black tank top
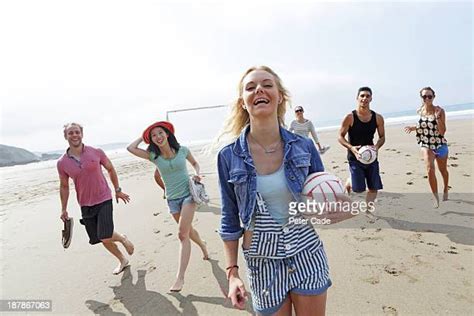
361 125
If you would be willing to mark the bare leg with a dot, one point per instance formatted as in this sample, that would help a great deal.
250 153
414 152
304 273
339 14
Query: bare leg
371 196
184 228
194 235
309 305
196 238
429 157
443 168
285 309
111 246
370 199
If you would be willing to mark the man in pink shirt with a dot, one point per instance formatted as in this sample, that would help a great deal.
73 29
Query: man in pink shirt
84 165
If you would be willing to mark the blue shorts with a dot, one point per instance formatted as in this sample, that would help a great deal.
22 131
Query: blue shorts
362 173
272 280
442 151
175 205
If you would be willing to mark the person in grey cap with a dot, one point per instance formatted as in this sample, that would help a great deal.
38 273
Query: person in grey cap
302 126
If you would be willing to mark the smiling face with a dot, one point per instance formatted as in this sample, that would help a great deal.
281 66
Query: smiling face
260 94
159 137
427 96
73 135
364 98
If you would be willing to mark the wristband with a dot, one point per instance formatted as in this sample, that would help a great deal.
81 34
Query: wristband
229 270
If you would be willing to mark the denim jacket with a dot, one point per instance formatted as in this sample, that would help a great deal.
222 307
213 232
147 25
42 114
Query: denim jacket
238 178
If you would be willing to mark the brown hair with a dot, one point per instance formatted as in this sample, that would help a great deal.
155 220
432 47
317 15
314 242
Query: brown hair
68 125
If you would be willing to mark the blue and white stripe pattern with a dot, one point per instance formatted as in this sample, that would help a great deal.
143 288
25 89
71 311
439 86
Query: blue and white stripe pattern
283 259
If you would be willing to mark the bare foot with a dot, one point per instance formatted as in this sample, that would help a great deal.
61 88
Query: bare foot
128 245
445 196
205 254
372 218
177 286
348 186
436 201
122 265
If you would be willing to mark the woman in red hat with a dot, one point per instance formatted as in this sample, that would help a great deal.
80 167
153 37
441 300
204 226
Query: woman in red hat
172 176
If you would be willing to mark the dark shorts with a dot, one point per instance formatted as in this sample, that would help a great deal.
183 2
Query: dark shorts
98 220
362 173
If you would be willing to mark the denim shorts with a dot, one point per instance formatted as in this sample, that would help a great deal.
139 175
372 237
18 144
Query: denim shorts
175 205
362 173
442 151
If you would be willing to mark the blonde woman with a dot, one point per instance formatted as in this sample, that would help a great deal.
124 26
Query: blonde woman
260 174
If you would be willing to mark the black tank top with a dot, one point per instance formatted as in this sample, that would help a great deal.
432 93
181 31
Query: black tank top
361 133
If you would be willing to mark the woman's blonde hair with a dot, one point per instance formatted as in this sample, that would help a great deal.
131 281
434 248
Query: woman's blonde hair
422 106
239 117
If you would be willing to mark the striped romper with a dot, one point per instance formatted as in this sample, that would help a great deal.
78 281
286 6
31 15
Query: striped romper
283 259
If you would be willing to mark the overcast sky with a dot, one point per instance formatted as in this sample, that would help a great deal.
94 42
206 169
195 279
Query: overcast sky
116 66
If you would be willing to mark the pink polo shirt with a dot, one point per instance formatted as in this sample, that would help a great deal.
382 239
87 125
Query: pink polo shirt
90 183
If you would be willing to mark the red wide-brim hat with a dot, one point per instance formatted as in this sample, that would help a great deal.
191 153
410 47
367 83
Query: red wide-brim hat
165 124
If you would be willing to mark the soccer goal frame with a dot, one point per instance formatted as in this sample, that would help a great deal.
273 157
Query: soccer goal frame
194 109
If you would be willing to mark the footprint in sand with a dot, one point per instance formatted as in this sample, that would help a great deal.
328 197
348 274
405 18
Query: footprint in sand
335 167
454 165
453 158
169 234
156 231
409 173
425 177
432 244
389 310
410 183
407 155
466 175
392 270
156 214
452 252
372 280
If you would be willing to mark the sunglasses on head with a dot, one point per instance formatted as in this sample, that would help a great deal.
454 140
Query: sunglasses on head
298 111
427 97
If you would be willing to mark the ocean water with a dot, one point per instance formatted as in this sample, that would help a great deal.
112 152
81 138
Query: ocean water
455 111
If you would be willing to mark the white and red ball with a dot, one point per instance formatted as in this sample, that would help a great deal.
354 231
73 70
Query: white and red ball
368 154
322 187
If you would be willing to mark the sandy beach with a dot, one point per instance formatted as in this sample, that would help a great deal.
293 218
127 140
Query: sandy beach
414 260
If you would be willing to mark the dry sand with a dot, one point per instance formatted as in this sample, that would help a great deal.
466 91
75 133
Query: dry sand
413 260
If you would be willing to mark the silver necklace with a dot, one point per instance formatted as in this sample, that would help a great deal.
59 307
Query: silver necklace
270 150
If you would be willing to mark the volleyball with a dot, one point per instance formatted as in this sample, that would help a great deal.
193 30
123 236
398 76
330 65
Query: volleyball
367 154
322 187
